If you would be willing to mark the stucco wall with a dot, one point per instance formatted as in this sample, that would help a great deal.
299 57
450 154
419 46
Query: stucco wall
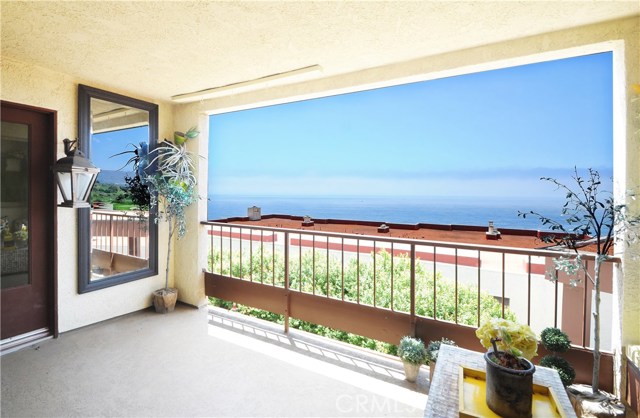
621 36
36 86
190 254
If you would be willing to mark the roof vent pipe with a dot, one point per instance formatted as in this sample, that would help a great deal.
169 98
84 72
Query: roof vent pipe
492 232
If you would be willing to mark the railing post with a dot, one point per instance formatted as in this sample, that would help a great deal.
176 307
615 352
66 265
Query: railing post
413 290
286 282
111 233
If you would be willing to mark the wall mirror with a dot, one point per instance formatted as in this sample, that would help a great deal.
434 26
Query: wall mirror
117 237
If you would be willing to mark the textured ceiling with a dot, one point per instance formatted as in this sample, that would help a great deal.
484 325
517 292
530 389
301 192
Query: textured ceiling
160 49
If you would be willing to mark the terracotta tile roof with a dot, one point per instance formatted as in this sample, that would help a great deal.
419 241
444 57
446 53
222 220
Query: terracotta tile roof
515 238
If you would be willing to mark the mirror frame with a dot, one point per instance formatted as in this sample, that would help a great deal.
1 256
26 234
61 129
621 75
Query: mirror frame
85 94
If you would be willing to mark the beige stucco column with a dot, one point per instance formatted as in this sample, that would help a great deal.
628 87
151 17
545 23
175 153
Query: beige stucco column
190 255
629 285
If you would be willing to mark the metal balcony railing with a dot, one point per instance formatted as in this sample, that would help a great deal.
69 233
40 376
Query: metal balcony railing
120 233
397 274
384 288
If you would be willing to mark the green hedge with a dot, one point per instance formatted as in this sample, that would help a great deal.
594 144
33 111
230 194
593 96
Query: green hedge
310 274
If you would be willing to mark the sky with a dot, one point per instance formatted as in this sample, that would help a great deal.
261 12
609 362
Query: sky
493 133
105 146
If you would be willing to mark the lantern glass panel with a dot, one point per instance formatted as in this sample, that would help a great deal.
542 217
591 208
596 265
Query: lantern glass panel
64 181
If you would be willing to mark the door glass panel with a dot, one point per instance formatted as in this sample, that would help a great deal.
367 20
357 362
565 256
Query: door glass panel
120 202
14 205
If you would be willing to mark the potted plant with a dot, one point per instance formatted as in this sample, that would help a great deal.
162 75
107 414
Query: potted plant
7 238
21 236
173 189
433 348
590 214
556 341
509 369
413 355
4 230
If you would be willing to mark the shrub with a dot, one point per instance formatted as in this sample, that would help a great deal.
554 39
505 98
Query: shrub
556 341
566 372
322 275
412 350
335 334
553 339
434 348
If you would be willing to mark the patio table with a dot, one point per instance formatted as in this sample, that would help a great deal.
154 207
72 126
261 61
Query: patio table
443 392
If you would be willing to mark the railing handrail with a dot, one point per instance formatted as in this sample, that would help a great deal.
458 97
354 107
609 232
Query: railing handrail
120 232
124 214
413 241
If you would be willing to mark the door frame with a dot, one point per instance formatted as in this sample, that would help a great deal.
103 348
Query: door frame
52 288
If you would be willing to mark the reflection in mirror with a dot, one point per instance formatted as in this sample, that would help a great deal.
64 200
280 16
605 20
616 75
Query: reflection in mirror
119 219
117 240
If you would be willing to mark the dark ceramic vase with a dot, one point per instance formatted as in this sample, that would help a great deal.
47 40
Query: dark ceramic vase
509 391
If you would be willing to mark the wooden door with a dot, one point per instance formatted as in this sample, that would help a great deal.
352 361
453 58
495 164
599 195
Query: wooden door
27 210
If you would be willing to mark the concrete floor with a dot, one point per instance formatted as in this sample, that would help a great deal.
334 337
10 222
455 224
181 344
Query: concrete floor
196 363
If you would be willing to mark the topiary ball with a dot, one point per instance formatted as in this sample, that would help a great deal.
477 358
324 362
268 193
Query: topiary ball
553 339
566 372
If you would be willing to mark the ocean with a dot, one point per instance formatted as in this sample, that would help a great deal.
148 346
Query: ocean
437 210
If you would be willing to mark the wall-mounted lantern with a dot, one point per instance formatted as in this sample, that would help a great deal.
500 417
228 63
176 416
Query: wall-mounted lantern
75 176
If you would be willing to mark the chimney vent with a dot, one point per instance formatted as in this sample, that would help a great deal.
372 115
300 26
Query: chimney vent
492 232
383 229
254 213
307 221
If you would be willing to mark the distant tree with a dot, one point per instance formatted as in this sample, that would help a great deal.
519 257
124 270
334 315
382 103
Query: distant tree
138 192
137 187
591 215
119 198
105 192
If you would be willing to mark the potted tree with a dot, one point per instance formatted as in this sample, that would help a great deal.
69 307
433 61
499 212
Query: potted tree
173 188
509 369
591 215
413 355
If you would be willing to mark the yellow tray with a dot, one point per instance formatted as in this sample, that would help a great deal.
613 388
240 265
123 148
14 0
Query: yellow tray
472 387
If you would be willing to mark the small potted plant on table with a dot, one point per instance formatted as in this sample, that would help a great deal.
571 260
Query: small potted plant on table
509 369
432 353
413 355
